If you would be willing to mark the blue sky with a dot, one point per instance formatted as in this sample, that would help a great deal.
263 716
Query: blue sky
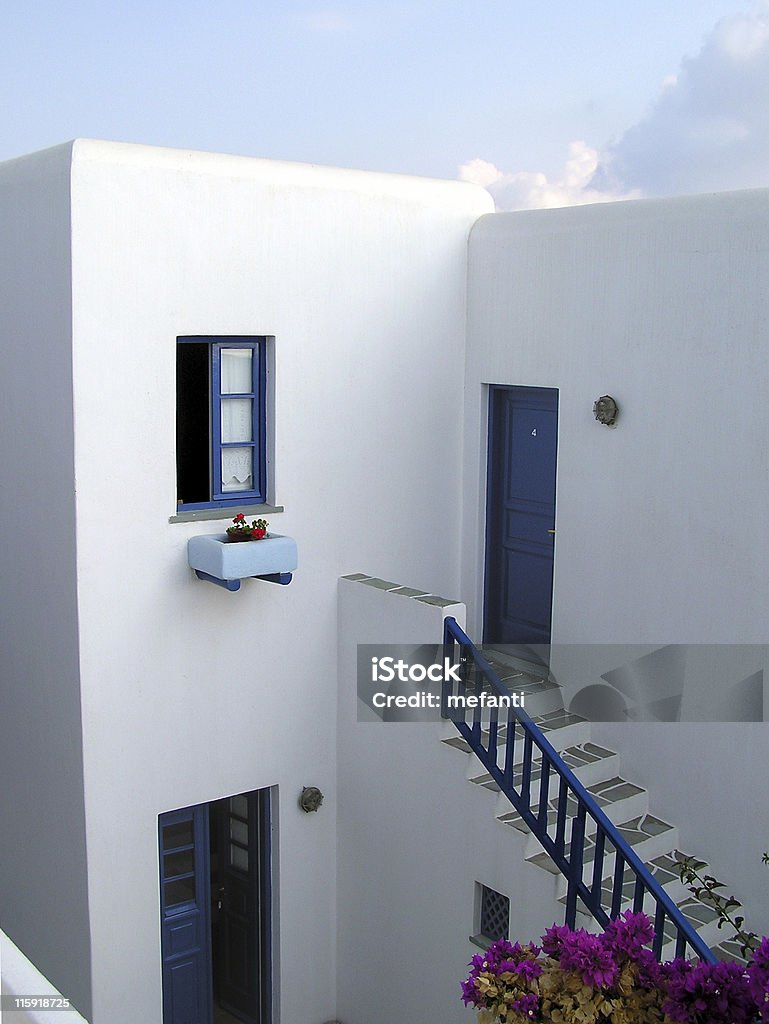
543 103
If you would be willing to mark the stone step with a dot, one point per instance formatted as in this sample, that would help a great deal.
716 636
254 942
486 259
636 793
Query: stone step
510 657
729 950
590 762
662 869
653 840
540 694
619 799
703 919
561 728
648 836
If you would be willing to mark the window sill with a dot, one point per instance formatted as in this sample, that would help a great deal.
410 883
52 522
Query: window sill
203 514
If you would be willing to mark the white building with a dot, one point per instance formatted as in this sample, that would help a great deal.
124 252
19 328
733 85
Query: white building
378 313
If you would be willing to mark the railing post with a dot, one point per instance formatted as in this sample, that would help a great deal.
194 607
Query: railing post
560 823
493 730
659 931
576 863
544 792
510 748
526 775
618 883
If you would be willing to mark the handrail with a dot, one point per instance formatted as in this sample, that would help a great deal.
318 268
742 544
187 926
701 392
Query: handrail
568 855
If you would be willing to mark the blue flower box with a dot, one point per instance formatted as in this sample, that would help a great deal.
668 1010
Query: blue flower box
218 560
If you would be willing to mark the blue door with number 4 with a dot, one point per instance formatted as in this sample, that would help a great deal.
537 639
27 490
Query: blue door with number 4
520 516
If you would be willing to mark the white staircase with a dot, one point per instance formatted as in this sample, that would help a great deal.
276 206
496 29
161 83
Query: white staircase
625 803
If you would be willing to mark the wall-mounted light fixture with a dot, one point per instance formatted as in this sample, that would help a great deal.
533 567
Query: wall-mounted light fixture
606 410
311 799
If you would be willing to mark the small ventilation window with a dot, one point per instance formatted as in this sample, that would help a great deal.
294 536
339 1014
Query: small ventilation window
493 917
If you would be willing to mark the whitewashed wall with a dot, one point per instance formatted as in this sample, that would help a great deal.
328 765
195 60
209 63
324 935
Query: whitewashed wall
42 863
660 521
190 692
660 304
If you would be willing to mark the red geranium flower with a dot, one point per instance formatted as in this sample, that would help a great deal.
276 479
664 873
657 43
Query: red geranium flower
258 533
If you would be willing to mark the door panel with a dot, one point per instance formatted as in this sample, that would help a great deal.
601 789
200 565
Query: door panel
241 905
185 925
520 515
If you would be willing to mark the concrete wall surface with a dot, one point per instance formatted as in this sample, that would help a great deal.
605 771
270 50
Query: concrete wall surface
42 828
191 693
415 839
132 688
660 519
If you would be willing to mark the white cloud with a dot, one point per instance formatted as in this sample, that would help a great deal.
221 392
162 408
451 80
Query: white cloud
709 128
480 172
528 190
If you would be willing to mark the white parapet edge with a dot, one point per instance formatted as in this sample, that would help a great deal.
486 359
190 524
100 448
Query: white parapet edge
20 977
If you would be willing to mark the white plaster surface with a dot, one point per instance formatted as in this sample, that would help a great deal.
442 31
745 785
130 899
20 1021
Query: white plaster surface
660 520
186 693
190 693
42 824
414 836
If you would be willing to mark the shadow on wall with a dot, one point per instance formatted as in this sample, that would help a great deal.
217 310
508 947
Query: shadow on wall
674 683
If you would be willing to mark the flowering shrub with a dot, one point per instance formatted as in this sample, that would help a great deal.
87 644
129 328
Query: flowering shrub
576 977
242 531
758 978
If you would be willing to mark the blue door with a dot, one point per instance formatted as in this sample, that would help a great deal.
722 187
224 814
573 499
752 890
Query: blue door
184 916
520 515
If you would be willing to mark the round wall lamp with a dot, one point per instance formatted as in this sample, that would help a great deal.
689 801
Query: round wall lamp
311 799
606 410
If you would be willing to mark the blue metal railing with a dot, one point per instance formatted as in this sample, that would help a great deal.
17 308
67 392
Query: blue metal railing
577 815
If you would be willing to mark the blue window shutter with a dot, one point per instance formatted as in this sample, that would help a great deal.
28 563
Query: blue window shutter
256 394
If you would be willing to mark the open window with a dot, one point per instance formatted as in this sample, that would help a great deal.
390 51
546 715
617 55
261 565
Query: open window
220 421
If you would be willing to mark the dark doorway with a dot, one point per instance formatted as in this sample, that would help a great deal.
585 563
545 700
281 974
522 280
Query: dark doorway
216 911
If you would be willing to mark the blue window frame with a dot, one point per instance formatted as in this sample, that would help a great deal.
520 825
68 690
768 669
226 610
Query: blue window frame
220 421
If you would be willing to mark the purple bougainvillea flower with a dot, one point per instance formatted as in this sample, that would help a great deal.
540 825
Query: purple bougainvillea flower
629 933
469 994
527 1006
586 955
758 978
701 993
552 940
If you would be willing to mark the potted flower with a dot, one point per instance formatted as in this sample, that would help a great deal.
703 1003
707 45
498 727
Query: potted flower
576 977
241 530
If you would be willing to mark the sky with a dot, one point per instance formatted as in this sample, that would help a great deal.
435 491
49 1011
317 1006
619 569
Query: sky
545 104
